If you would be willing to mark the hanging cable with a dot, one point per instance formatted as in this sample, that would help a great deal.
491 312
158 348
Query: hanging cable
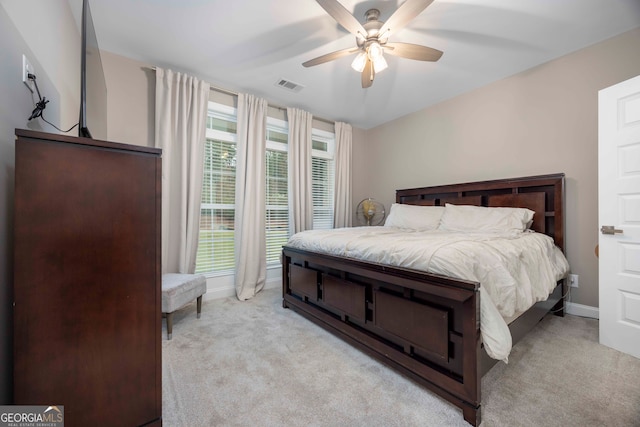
41 105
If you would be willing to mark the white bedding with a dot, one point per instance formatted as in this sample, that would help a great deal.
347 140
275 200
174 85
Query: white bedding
515 270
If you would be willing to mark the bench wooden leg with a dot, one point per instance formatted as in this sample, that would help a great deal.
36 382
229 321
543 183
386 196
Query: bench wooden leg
169 325
199 304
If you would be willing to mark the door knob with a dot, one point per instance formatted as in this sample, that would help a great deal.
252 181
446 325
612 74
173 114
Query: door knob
610 229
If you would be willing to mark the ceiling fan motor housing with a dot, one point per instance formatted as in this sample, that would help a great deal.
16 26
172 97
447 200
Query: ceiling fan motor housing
372 25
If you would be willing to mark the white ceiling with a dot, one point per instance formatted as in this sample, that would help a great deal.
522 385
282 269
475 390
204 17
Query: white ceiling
248 45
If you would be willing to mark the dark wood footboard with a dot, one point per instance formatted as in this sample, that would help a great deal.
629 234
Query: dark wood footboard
423 325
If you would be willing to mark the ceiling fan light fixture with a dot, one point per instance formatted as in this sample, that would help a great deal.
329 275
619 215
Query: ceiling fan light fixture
359 62
375 51
379 64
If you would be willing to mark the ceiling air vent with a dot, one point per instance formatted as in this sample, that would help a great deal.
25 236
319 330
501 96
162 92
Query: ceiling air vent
289 85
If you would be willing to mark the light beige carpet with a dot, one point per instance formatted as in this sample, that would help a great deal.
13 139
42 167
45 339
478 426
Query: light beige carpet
254 363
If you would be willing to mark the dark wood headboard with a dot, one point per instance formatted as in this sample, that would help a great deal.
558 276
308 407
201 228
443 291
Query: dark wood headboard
542 194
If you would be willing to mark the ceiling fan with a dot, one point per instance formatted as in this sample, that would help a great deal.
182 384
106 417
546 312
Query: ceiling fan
372 38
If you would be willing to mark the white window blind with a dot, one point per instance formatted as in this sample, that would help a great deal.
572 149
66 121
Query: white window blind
216 243
322 177
277 197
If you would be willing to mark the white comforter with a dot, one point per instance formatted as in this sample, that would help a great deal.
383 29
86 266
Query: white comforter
515 270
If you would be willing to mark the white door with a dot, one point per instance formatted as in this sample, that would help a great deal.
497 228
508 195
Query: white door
619 215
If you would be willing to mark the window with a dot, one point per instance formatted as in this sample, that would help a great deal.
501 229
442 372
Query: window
216 244
322 177
277 197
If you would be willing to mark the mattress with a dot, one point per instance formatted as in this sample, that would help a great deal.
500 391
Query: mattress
515 270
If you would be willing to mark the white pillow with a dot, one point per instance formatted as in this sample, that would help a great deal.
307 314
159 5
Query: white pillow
482 219
414 217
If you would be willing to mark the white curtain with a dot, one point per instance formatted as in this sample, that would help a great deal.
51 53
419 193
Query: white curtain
181 114
300 196
250 240
342 201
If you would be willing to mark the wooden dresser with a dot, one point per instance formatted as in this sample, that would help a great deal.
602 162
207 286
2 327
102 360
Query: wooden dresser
87 278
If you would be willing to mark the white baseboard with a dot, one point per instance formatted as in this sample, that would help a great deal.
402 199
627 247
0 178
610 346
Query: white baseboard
583 310
218 288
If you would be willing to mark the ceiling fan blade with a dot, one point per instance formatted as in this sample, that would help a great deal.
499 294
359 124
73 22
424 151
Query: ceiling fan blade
330 57
413 51
405 13
367 74
343 16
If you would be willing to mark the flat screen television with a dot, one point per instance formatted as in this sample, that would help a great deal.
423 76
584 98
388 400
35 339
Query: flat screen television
93 88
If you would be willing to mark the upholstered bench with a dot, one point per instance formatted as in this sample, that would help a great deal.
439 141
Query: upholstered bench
179 290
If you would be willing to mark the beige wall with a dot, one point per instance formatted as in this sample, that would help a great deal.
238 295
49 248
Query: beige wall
131 98
543 120
50 31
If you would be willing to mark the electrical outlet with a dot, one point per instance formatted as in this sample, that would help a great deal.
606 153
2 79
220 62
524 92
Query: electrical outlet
573 280
27 69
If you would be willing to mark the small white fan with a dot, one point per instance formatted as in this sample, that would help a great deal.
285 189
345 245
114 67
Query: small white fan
370 212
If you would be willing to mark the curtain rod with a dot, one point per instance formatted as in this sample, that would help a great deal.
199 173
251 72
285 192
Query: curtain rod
279 107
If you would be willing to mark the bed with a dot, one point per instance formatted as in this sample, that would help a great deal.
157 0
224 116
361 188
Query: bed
425 325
